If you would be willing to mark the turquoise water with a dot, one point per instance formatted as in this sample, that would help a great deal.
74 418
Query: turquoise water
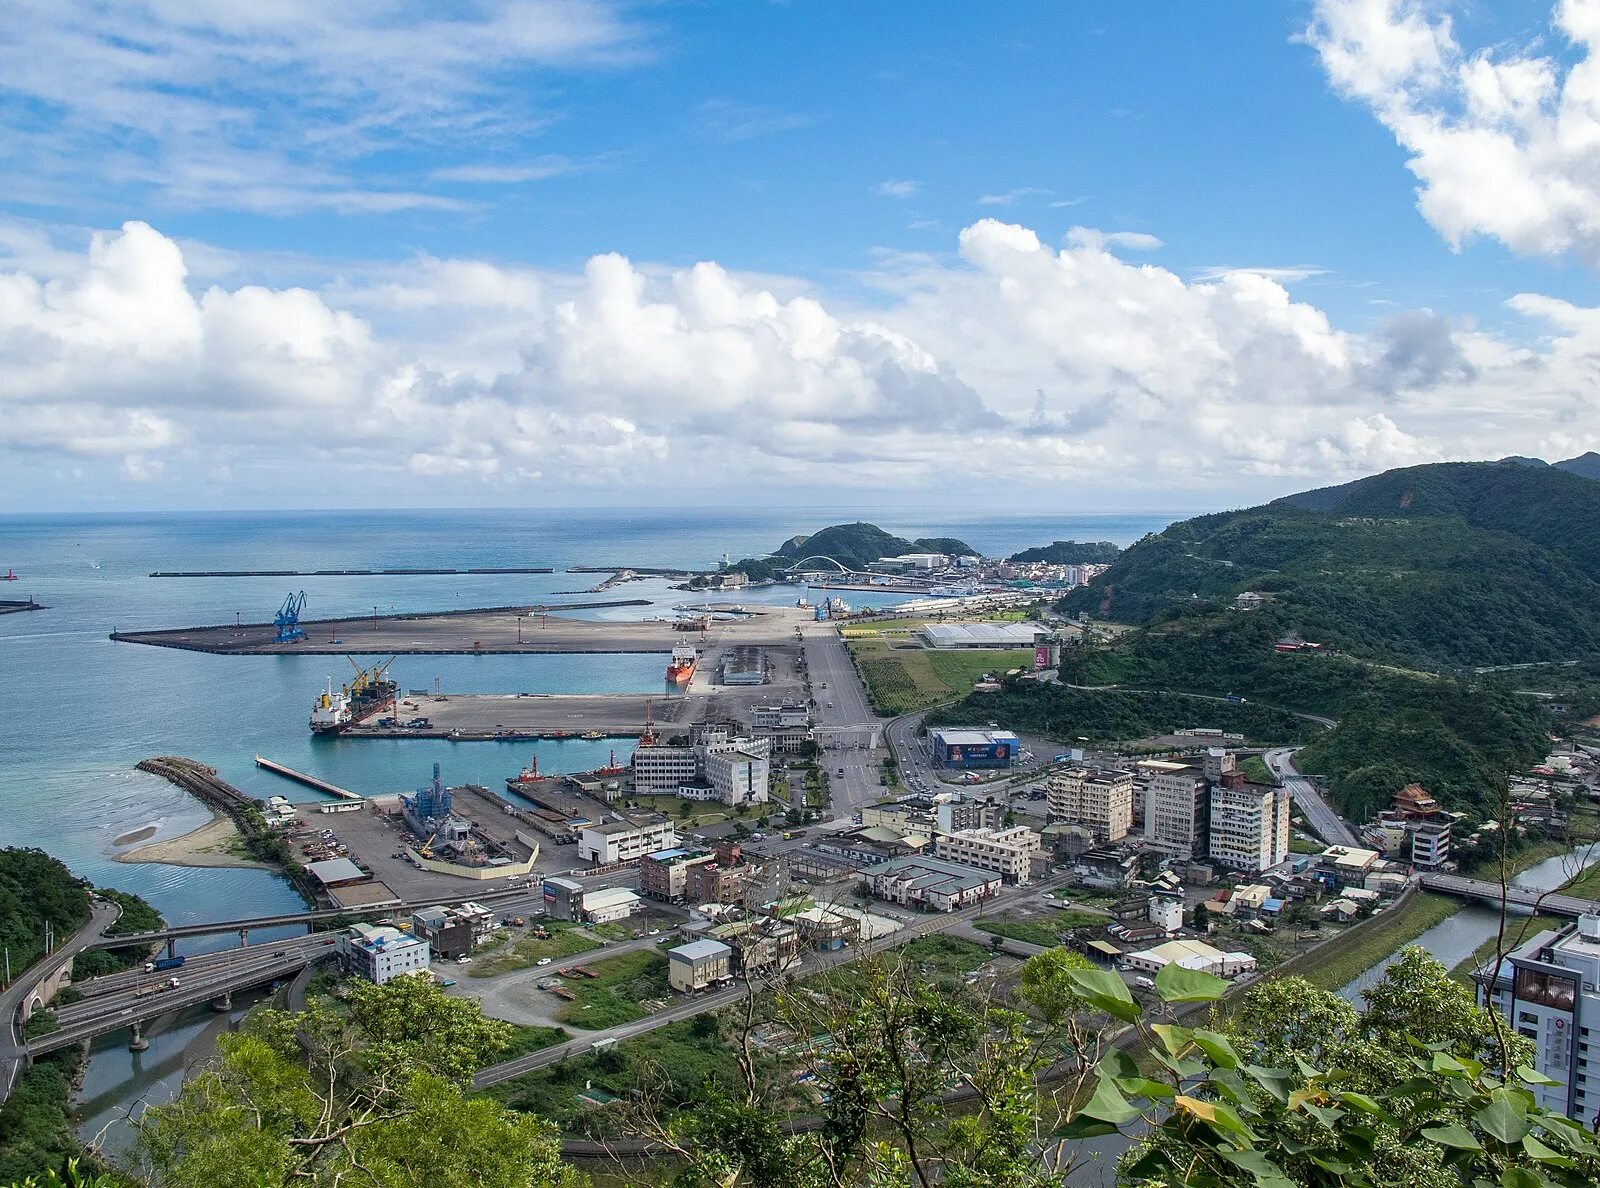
77 711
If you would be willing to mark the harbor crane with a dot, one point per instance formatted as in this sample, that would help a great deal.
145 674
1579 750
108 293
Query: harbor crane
287 620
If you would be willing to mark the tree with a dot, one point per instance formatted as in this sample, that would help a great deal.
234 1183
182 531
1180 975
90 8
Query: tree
1202 919
379 1098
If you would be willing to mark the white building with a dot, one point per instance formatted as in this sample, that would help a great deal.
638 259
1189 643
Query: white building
1166 913
738 776
606 905
1249 827
1010 853
1549 991
1190 954
381 953
1175 807
661 770
624 841
718 766
930 883
1098 798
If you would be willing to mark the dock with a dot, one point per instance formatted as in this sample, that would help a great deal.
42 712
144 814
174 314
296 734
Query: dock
13 605
310 781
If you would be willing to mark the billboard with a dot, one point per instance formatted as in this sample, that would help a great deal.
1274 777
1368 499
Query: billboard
1041 657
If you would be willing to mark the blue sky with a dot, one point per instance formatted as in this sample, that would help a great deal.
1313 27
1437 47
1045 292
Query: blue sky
396 217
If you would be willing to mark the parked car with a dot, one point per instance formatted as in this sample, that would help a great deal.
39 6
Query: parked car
542 961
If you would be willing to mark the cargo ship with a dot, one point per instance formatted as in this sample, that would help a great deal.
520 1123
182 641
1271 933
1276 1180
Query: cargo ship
682 667
352 704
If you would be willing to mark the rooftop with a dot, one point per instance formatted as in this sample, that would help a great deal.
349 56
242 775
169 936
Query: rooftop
335 870
700 950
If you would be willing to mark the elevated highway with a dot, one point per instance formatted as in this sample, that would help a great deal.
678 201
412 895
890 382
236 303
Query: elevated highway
1549 903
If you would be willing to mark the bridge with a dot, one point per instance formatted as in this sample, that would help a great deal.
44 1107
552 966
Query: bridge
170 936
1549 903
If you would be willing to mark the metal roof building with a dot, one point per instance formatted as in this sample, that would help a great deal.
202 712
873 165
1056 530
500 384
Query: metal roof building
981 635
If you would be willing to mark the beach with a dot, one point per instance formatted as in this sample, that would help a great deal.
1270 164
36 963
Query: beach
209 845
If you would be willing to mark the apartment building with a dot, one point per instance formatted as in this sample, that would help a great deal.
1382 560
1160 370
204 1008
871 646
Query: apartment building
624 841
698 965
1176 807
1010 853
379 953
1249 824
664 874
1549 991
1098 798
718 765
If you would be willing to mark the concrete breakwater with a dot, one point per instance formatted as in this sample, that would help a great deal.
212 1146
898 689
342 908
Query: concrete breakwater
410 572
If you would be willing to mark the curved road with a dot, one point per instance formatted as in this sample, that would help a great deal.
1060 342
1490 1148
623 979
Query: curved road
1329 825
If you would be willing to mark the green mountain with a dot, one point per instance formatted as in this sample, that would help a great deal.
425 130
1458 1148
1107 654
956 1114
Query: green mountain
1585 465
1069 552
855 545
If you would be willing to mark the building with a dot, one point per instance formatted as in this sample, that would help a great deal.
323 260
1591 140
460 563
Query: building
624 841
563 898
959 813
379 953
1189 954
663 770
1346 866
1548 989
739 776
982 635
1099 798
664 875
336 872
974 748
1249 824
931 883
453 931
1165 912
719 765
759 945
607 905
1176 807
1010 853
787 726
743 665
698 965
1416 828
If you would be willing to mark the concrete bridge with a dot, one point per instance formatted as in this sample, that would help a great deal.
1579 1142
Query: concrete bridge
1549 903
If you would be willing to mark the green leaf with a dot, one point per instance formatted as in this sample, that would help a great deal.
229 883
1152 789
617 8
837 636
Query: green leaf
1505 1117
1108 1105
1140 1087
1455 1136
1541 1153
1533 1076
1176 984
1522 1177
1117 1063
1361 1101
1084 1128
1173 1038
1217 1047
1262 1169
1104 991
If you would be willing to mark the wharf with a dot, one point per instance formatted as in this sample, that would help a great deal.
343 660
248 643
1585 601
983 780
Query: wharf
510 717
11 606
494 630
310 781
244 573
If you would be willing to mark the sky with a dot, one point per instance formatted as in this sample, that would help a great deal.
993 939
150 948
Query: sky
1020 256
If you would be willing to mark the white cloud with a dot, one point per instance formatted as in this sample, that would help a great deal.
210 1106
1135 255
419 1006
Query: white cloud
540 168
268 106
1009 196
1133 241
1074 366
896 188
724 119
1283 273
1504 143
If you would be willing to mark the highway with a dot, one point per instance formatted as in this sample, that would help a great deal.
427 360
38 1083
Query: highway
842 703
102 915
1328 825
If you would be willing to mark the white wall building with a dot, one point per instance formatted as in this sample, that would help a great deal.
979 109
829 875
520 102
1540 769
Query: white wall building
1010 853
1175 807
1098 798
1249 828
380 953
718 766
624 841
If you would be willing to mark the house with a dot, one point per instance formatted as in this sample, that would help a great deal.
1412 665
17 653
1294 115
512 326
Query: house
931 883
1190 954
699 965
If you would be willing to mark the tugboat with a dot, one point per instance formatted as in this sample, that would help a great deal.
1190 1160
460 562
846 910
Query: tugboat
682 667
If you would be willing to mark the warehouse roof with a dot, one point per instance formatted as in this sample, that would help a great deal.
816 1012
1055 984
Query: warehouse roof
606 897
336 870
981 635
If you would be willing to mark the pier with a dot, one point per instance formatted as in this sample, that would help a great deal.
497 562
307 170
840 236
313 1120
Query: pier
10 606
310 781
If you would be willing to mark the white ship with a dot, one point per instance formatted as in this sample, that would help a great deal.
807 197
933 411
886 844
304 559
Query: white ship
330 713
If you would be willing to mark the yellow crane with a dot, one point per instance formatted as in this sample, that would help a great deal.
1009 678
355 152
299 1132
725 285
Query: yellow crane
427 846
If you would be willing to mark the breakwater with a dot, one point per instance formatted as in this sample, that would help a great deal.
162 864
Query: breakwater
417 572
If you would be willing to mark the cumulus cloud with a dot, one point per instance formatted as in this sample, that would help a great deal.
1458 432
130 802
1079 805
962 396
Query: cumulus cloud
1074 366
1504 143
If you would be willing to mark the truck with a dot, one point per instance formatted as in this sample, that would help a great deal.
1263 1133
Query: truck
1235 699
163 963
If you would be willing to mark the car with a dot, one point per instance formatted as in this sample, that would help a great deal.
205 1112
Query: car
1144 982
542 961
463 960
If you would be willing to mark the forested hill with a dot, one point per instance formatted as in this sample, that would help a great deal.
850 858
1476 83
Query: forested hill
855 545
1069 552
1450 565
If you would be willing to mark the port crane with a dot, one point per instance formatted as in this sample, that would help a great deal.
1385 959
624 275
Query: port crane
287 620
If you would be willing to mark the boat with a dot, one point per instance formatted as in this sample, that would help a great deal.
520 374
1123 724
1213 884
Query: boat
683 665
593 735
330 713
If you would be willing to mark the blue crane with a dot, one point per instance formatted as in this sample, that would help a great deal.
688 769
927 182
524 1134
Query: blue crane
288 618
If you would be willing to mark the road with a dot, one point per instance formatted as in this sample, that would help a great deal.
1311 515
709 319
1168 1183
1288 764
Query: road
1549 903
1329 825
811 964
102 915
842 718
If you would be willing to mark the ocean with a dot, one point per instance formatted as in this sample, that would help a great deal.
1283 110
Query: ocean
79 710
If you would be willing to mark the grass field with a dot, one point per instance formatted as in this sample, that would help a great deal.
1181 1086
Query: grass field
700 812
1341 963
625 981
902 679
523 951
1255 770
532 1039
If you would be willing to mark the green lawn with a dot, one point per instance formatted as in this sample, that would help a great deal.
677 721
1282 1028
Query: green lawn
523 951
902 679
1026 931
1255 770
946 955
531 1039
1341 962
614 997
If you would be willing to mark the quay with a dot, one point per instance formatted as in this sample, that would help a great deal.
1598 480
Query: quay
10 606
239 573
310 781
